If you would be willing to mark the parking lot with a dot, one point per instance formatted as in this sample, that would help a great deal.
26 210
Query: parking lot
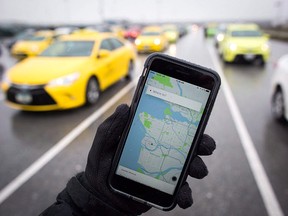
40 152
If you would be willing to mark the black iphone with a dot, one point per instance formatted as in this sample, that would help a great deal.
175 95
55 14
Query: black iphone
169 112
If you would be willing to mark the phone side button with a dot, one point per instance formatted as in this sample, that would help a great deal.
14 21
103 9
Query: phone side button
139 200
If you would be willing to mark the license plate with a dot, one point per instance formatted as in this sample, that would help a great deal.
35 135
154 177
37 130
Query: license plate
249 56
146 47
23 97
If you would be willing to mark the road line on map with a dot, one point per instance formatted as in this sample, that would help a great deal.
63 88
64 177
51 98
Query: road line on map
269 198
17 182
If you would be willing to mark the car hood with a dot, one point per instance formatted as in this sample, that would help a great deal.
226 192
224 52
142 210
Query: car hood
248 41
41 70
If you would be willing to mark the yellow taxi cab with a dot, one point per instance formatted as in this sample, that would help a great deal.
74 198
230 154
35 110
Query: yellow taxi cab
244 41
151 39
71 72
33 45
171 32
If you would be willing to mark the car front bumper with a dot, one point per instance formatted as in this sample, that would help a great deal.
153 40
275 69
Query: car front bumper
43 98
248 54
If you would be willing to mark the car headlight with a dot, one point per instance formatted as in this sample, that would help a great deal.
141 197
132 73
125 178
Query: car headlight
137 41
232 47
157 41
265 47
220 37
65 80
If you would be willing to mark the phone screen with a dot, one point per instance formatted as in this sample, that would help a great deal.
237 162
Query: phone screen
162 131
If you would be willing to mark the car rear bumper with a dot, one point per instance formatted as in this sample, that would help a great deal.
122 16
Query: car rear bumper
150 48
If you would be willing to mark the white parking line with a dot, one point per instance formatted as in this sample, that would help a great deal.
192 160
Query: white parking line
1 96
269 198
58 147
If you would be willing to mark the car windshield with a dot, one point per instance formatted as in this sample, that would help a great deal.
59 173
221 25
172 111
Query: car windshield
69 48
150 33
246 33
35 38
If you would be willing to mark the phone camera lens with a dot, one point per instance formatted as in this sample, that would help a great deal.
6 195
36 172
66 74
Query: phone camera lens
174 178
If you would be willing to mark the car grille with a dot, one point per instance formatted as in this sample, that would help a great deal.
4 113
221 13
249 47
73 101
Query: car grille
37 92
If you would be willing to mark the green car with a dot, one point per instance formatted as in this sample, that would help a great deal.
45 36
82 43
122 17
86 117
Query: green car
244 41
210 30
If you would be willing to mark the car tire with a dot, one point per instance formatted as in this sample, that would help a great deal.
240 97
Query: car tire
259 62
92 91
130 70
205 33
278 106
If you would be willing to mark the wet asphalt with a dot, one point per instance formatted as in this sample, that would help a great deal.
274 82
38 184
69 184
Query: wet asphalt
229 189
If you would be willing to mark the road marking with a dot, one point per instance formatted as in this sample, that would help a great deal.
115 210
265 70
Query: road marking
1 95
63 143
269 198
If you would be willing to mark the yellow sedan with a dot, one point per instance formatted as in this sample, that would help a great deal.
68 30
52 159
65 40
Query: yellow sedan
70 73
33 45
151 39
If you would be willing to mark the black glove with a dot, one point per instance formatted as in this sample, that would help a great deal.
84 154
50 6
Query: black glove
100 160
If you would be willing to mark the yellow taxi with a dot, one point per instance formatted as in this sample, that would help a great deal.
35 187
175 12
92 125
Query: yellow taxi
245 41
151 39
171 32
71 72
33 45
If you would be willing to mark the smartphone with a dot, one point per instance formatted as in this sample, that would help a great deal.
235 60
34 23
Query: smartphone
169 112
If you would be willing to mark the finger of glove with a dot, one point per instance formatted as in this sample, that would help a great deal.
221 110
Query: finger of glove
197 168
111 129
184 197
207 145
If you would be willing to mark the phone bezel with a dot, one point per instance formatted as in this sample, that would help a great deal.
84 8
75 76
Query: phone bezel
186 72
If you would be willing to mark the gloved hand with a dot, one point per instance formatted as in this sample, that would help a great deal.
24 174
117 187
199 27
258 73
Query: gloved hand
100 160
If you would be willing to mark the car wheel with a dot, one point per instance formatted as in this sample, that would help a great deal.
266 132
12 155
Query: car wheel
205 33
92 91
130 70
278 106
259 61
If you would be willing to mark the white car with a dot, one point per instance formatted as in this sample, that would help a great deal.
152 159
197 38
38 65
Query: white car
279 92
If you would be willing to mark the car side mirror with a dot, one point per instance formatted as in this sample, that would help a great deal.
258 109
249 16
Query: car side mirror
103 53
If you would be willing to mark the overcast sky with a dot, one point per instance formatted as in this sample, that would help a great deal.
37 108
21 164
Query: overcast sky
82 11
